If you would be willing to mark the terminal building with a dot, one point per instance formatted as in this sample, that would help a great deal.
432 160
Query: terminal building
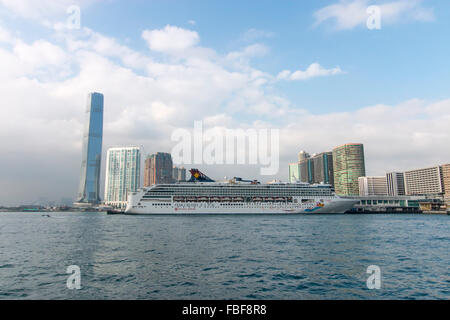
389 204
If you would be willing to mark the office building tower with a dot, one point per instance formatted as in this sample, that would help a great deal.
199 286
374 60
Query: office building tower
123 175
294 172
426 181
158 169
179 174
348 166
302 155
395 184
372 186
89 189
322 167
307 170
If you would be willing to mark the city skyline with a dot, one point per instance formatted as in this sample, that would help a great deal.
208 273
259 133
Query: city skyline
321 78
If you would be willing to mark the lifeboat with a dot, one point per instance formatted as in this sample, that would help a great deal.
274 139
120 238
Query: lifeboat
178 198
238 199
225 199
268 199
215 199
257 199
202 199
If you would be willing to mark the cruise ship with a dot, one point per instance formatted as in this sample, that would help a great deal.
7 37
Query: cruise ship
202 195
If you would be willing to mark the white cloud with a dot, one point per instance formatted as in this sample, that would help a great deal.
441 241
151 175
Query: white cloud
39 53
314 70
46 12
170 39
5 35
348 14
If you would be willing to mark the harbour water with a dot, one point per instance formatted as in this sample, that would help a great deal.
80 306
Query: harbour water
224 257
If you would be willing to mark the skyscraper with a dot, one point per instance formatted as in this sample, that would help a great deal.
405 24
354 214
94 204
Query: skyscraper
89 190
158 169
348 165
323 168
294 172
302 155
179 174
123 175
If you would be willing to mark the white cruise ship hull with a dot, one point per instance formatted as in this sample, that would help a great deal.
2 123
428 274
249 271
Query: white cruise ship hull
332 206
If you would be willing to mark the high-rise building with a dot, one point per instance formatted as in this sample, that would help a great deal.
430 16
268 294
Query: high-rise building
446 182
158 169
294 172
89 189
426 181
395 184
322 167
372 186
348 165
179 174
123 175
302 155
307 170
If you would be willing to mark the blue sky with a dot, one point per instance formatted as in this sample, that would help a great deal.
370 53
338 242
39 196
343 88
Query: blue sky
408 58
309 68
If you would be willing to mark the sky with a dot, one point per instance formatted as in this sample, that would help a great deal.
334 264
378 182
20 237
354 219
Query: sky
314 70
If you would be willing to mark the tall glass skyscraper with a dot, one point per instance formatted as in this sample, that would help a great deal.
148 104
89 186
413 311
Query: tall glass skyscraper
89 190
348 165
123 175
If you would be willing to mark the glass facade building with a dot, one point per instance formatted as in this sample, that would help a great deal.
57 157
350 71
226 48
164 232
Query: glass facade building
89 189
348 165
323 168
307 170
294 172
123 175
